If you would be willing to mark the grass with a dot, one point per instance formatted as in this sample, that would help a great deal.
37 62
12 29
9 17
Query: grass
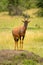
30 62
33 41
19 60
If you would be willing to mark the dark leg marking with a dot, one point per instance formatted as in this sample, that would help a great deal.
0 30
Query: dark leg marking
16 43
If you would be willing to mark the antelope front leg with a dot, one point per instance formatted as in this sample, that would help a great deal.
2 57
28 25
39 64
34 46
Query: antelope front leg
16 45
22 44
22 41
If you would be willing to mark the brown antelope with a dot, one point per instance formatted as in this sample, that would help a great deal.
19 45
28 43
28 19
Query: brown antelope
19 34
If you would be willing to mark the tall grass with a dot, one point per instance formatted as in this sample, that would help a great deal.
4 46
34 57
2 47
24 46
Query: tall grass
34 36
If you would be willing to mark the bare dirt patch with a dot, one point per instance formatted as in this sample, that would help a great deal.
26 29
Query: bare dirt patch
7 57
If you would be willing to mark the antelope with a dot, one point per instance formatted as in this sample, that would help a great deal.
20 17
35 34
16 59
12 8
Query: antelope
19 34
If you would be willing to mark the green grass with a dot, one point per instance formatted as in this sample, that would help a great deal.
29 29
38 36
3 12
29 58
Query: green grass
19 60
33 41
8 23
29 62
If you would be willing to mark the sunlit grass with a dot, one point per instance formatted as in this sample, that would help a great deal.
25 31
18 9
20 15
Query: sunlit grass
8 23
33 41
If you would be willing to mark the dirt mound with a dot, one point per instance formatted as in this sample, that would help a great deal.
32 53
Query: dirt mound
9 56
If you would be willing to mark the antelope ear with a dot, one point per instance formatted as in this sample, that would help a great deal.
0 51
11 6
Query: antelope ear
29 21
22 21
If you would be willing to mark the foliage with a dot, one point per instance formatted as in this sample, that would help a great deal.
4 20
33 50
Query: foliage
15 3
40 3
40 13
17 6
29 62
3 5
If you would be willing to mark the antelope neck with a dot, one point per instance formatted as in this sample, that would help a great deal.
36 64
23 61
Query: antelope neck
25 25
